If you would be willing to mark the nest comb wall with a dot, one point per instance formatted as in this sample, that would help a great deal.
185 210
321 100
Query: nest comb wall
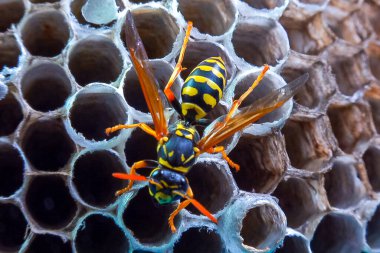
312 186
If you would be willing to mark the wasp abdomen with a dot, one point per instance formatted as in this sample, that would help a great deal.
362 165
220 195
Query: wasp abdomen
203 88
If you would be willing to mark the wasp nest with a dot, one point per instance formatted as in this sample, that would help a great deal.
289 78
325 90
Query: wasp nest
66 75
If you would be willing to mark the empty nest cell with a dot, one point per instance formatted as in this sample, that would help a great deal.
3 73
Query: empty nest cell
210 17
11 169
199 239
49 203
47 243
45 33
297 200
96 108
343 185
309 144
372 95
373 230
352 125
263 163
294 244
372 12
95 59
11 13
92 177
157 28
13 227
99 233
9 51
373 53
372 160
261 227
350 237
260 41
45 87
47 145
11 114
147 220
264 4
211 185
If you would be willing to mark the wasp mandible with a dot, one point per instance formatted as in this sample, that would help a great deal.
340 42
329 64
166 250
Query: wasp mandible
180 144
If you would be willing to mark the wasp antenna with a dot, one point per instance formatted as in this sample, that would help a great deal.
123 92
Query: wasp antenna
129 177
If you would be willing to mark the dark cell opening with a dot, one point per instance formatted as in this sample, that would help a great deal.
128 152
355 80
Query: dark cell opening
93 177
373 230
43 1
10 114
264 4
11 169
199 240
12 228
49 202
11 13
100 234
45 33
294 244
45 87
9 51
46 243
372 160
47 145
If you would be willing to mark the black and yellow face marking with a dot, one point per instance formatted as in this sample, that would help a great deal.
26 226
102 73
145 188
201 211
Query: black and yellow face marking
203 88
164 185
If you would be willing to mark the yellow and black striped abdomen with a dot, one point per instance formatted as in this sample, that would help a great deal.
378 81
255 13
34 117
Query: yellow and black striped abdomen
203 88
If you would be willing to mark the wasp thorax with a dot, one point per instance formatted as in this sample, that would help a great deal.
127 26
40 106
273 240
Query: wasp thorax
167 186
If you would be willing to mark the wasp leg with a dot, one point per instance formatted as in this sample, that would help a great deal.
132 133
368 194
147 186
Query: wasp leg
220 149
238 102
137 165
177 70
181 206
147 129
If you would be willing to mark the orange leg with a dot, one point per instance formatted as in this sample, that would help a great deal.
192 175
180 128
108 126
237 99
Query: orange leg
181 206
178 68
220 149
147 129
136 166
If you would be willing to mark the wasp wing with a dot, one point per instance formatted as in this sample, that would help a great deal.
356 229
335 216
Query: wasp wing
147 80
247 115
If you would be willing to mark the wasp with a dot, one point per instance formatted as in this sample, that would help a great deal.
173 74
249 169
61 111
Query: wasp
180 144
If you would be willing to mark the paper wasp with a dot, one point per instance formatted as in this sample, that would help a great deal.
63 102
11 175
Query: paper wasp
180 144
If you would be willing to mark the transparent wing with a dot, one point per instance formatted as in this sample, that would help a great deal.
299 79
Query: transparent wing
250 114
147 80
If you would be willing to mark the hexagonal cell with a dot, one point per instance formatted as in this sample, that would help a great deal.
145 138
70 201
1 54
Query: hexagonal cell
262 227
264 4
132 88
92 177
211 184
9 51
47 243
148 221
98 233
294 243
11 169
140 146
11 13
349 239
210 17
263 163
310 143
373 230
373 53
47 145
76 9
372 10
372 160
95 108
343 185
350 66
312 94
157 28
45 33
298 199
199 239
354 28
197 51
260 41
352 126
49 203
95 59
307 36
45 87
13 227
372 95
11 114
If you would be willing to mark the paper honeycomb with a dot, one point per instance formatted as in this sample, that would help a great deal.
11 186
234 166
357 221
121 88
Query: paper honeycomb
310 173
